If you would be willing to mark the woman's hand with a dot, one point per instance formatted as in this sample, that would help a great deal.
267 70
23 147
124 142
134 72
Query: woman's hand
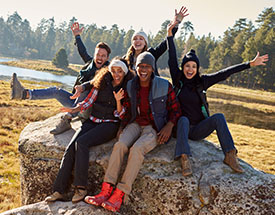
259 60
119 95
70 110
181 14
177 19
75 29
78 91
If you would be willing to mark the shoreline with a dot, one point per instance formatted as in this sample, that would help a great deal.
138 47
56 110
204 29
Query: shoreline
43 66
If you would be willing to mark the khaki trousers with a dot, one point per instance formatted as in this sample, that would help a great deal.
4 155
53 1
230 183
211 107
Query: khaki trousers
137 141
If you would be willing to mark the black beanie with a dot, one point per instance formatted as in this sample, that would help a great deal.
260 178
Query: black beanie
190 56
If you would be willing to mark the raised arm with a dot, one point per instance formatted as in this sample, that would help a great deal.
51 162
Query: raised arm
78 42
223 74
172 60
162 47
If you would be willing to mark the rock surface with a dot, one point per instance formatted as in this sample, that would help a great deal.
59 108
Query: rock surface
159 189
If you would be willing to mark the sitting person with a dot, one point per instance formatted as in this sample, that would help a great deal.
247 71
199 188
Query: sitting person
102 126
100 59
150 112
196 122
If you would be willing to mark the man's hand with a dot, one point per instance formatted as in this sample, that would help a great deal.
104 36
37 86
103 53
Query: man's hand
75 29
165 133
78 91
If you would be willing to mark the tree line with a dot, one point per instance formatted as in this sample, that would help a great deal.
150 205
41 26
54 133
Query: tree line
239 43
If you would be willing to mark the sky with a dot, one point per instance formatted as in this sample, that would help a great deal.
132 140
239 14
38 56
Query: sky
214 16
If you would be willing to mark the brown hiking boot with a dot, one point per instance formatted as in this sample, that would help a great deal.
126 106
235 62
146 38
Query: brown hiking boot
55 196
186 166
17 90
232 161
63 125
79 195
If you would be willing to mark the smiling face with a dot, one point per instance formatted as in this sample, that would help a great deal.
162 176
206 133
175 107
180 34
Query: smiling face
117 74
144 72
190 69
138 43
100 57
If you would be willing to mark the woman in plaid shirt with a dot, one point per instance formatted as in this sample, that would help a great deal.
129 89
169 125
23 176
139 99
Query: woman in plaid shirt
104 101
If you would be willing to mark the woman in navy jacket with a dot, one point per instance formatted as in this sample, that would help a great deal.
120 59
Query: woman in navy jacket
196 123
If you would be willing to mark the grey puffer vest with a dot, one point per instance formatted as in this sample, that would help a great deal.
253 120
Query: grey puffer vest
158 95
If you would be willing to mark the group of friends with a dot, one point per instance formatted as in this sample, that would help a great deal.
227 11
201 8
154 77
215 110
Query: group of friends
127 99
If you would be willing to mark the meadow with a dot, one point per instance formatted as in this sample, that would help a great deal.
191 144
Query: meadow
250 115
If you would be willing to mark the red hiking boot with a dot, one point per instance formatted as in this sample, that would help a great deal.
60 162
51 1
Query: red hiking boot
115 201
105 193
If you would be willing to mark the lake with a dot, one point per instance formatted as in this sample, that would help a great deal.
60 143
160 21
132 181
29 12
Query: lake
7 71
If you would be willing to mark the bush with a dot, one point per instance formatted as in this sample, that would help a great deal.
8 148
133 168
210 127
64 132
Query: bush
61 59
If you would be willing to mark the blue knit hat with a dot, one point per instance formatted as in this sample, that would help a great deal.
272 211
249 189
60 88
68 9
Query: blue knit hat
190 56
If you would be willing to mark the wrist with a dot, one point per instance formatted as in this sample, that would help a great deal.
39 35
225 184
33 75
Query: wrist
252 64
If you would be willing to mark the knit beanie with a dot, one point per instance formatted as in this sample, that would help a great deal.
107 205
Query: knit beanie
190 56
146 58
140 33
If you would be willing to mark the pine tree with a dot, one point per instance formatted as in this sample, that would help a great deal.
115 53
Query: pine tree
61 59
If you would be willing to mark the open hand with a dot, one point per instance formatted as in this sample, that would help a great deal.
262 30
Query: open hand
119 95
78 91
75 29
181 14
259 60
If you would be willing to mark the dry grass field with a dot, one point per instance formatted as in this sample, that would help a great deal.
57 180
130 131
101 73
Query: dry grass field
253 133
15 115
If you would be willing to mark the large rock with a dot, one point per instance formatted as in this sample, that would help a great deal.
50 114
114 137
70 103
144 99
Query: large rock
159 188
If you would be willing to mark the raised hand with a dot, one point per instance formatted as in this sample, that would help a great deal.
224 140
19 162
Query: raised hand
78 91
177 19
75 29
119 95
181 14
259 60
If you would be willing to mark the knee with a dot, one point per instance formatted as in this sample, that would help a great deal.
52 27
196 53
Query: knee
120 146
219 118
183 121
137 150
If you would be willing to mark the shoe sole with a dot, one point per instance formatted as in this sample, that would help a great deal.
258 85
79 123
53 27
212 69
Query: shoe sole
109 209
237 171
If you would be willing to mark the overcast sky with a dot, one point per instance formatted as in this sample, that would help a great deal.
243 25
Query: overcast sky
213 16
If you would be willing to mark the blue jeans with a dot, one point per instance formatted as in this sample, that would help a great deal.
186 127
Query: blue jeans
201 130
59 94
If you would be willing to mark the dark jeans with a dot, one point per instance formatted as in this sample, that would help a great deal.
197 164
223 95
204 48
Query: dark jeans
203 129
76 155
